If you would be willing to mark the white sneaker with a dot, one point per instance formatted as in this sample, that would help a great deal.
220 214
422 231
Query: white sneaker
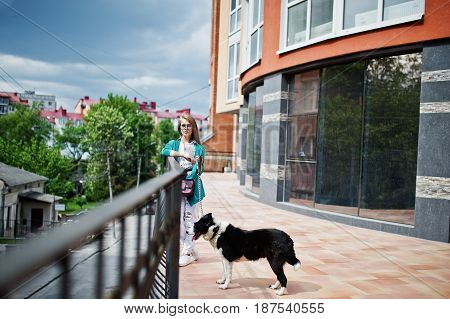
187 259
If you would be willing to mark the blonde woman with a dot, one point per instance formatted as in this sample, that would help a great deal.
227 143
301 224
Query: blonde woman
190 154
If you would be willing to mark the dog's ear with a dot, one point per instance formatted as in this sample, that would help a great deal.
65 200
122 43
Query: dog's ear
208 215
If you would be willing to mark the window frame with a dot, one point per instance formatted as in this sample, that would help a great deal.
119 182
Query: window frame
235 70
258 29
337 23
237 22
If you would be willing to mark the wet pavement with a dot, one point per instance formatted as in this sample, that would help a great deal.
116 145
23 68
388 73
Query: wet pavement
47 282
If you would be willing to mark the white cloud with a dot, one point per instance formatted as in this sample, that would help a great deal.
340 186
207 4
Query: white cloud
27 67
162 61
147 81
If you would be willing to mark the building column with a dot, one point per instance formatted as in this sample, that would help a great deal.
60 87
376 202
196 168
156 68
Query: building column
242 148
273 145
432 211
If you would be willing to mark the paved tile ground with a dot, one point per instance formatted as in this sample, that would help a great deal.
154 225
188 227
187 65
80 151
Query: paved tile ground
338 261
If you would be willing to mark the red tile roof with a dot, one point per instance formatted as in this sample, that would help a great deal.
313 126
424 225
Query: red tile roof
60 113
13 97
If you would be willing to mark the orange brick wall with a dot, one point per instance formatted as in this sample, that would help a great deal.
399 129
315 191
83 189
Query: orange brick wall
220 145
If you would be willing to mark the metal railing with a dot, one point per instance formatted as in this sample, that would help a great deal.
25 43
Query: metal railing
147 244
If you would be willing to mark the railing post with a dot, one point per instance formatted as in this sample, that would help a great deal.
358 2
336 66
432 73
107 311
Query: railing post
173 246
65 284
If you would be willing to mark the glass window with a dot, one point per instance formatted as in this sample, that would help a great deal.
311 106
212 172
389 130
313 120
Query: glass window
339 141
302 127
296 31
229 90
233 71
400 8
309 21
253 48
231 57
238 49
261 10
321 17
254 102
391 124
238 18
255 31
260 42
359 13
233 22
235 15
366 117
255 13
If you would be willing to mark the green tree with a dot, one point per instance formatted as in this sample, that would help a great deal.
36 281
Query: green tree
142 145
24 137
106 137
24 125
37 157
70 140
164 133
80 201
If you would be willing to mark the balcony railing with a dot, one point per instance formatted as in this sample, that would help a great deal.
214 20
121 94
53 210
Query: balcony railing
148 244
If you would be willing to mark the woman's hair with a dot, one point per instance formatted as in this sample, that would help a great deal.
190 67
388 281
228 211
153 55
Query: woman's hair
195 135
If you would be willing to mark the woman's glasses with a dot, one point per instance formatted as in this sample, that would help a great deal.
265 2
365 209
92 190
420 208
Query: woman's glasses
186 125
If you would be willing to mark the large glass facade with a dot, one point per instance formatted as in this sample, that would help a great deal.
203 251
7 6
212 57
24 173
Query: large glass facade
366 117
391 125
339 151
302 127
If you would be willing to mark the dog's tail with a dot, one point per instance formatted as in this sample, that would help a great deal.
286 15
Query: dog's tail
297 265
294 262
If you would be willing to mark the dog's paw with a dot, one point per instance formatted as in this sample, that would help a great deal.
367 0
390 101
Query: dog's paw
224 286
220 281
282 291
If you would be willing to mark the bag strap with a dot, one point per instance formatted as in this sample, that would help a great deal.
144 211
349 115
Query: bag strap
199 195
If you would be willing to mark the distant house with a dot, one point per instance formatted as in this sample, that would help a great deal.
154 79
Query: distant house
202 121
24 206
59 117
157 115
84 105
45 102
8 99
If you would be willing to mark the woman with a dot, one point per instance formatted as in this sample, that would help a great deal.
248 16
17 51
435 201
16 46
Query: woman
190 154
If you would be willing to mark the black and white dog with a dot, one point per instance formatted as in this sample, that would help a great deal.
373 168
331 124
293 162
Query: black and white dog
236 244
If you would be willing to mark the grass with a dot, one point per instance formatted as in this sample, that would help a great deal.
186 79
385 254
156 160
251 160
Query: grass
72 208
6 241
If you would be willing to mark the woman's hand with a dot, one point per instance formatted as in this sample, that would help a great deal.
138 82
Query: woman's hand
188 157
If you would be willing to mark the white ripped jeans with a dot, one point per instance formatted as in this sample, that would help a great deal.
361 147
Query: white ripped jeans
188 216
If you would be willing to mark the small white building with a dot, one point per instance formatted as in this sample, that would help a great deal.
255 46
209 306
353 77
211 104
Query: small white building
24 207
45 102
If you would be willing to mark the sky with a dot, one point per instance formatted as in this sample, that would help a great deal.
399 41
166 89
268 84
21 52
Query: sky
155 50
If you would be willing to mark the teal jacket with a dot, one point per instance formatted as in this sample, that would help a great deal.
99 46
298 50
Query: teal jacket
194 175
